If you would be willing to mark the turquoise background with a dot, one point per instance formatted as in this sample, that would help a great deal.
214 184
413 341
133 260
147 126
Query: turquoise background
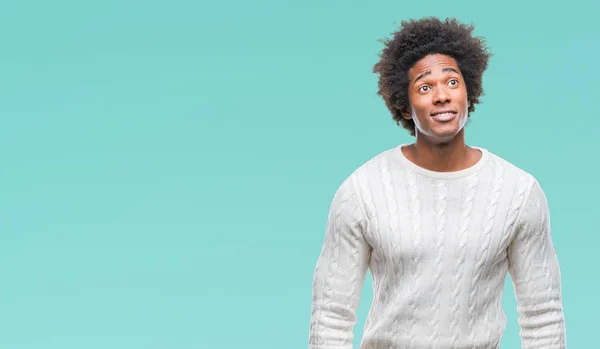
167 167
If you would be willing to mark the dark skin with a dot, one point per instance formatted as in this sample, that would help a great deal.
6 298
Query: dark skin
437 86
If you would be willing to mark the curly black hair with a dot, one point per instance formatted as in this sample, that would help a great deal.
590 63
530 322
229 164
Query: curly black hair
418 38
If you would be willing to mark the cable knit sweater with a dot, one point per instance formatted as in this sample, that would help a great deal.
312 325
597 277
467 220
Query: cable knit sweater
439 246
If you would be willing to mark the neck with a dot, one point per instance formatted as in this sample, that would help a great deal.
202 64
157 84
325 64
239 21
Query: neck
442 155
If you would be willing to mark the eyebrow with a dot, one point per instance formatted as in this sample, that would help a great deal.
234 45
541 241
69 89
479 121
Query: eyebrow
424 74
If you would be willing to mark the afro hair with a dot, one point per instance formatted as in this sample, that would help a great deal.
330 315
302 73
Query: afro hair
418 38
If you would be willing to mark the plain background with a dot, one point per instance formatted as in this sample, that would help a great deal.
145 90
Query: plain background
167 166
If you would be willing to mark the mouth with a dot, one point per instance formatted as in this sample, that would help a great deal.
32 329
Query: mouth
443 115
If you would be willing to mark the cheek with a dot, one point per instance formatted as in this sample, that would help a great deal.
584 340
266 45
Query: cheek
421 112
419 103
461 95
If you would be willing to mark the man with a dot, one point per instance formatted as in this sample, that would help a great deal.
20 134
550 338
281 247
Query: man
439 223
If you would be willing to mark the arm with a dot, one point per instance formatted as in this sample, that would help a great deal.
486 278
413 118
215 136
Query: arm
535 274
339 273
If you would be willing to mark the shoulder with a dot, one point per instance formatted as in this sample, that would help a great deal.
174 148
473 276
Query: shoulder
372 168
359 183
528 193
522 180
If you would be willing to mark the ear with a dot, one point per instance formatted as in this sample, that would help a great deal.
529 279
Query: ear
405 113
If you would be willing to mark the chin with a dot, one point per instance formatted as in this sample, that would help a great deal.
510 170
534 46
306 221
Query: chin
445 130
442 134
450 129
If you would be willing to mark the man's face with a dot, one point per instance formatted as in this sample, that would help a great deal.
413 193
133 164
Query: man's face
438 97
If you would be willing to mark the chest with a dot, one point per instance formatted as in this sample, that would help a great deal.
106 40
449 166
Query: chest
470 223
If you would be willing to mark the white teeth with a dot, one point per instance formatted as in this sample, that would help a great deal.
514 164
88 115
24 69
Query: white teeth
444 116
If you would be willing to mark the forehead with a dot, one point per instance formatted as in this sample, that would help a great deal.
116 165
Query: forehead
434 63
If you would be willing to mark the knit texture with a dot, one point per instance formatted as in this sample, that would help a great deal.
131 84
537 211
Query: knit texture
439 246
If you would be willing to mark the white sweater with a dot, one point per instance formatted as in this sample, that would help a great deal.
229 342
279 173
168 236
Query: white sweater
439 246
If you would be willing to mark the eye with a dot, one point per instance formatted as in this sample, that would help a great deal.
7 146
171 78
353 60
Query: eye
453 82
423 88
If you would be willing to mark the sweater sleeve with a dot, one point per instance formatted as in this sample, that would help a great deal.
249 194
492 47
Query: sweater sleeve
339 273
535 274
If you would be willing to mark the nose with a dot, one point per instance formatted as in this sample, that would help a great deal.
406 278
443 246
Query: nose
441 95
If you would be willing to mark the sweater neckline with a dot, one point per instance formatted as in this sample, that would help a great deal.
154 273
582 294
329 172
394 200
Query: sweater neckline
442 175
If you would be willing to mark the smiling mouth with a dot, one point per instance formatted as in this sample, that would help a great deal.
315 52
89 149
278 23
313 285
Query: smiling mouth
444 116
